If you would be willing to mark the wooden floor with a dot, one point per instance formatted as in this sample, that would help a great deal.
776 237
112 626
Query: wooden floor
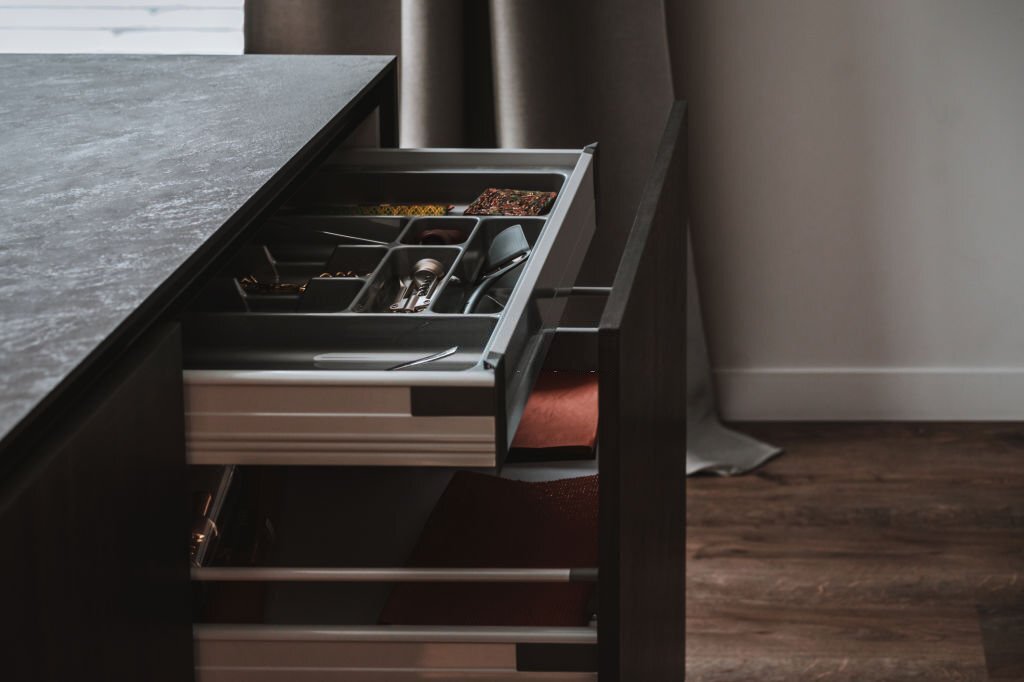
865 552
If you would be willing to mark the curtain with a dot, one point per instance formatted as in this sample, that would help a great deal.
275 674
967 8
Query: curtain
532 73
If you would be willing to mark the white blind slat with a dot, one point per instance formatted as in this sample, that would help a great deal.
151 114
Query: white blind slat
204 19
135 42
144 26
106 4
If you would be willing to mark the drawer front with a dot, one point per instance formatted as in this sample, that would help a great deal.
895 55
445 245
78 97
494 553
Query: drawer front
309 419
347 383
229 653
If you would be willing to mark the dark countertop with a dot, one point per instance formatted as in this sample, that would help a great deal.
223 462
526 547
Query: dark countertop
116 169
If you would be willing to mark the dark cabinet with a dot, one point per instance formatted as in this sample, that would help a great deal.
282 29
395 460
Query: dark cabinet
95 568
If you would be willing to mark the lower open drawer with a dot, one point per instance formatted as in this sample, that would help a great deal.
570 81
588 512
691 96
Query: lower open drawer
304 574
293 352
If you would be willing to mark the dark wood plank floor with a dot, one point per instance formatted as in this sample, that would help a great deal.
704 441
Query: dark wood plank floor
865 552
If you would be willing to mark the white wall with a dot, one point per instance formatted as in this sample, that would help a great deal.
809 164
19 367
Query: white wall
858 170
139 26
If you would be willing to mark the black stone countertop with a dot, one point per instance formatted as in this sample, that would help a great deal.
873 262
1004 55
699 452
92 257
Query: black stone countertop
115 169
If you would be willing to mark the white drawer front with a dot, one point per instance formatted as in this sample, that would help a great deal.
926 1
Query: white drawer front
296 418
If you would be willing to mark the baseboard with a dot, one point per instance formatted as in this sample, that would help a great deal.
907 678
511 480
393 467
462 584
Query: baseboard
885 393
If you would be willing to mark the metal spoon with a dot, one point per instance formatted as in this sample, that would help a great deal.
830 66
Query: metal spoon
353 238
426 358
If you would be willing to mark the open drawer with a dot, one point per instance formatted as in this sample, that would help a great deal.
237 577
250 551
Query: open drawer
319 370
305 584
316 581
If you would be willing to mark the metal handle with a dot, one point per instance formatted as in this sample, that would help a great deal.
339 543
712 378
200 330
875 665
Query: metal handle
590 291
206 529
397 633
394 575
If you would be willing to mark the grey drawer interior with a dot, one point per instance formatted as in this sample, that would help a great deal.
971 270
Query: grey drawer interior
320 371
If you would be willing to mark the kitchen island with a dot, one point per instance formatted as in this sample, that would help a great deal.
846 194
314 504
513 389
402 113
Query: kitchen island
123 178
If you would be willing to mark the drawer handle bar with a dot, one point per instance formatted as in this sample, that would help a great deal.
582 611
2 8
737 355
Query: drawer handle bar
590 291
415 634
394 575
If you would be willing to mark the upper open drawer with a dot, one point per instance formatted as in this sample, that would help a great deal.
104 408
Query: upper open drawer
337 336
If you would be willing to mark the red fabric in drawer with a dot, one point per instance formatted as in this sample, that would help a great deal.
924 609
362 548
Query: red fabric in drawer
484 521
560 418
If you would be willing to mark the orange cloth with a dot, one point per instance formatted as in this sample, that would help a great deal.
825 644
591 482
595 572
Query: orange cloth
560 419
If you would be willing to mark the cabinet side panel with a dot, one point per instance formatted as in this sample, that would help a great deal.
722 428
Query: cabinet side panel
642 352
95 577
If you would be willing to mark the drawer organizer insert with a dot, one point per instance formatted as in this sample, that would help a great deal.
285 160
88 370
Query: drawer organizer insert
305 568
343 339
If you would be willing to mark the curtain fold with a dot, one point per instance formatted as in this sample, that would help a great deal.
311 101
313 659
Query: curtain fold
433 76
532 73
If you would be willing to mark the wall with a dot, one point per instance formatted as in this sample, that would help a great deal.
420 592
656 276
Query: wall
150 26
858 174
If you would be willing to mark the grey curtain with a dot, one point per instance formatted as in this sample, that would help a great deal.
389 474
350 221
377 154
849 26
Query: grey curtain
531 73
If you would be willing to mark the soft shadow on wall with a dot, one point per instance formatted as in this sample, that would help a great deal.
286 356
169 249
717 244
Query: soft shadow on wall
856 174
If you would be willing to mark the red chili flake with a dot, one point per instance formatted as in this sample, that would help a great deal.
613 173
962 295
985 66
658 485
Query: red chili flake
516 202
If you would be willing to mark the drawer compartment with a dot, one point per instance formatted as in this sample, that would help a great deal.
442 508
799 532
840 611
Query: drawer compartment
284 613
295 355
